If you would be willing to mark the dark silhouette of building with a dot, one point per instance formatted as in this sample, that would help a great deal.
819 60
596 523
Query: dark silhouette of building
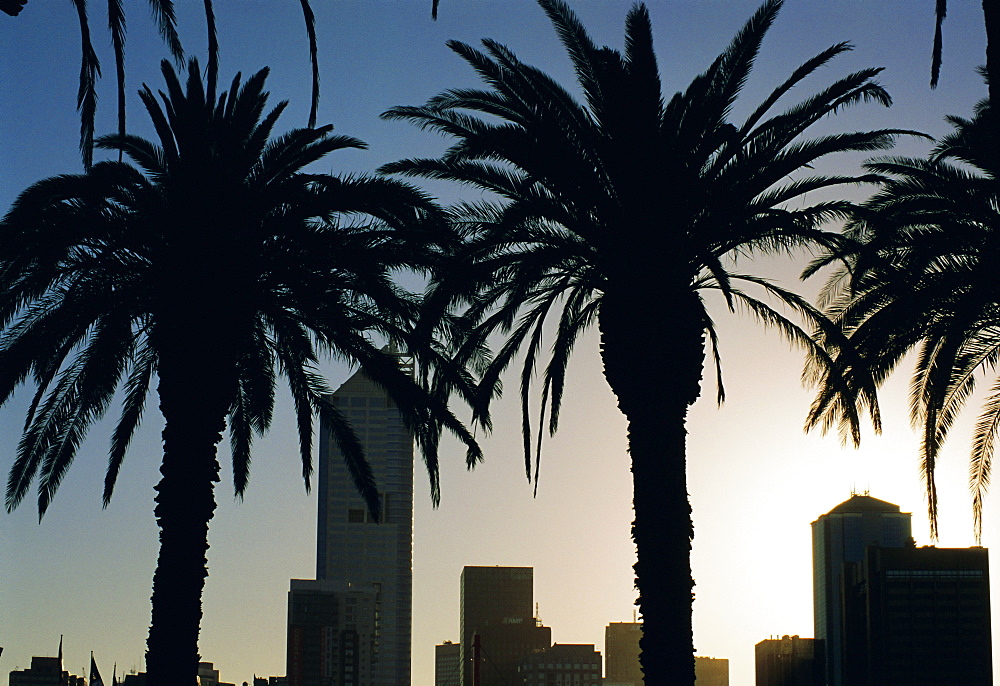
569 664
711 671
353 549
447 664
497 606
918 617
331 634
621 653
891 614
789 661
840 537
45 671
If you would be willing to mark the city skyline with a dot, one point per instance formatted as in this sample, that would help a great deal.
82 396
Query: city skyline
756 481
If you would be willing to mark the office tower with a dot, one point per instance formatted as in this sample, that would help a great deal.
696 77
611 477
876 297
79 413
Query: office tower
789 661
918 617
331 634
711 671
621 653
447 661
353 549
840 537
572 664
497 606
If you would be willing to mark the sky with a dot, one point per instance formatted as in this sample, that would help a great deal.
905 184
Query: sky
756 480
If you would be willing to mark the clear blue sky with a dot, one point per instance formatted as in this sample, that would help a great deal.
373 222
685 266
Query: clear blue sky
756 481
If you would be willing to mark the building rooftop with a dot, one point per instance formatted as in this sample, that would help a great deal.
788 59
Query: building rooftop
864 503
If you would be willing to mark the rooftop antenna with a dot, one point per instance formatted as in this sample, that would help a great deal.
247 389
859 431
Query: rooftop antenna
538 615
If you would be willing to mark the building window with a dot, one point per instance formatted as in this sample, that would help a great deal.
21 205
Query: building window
356 516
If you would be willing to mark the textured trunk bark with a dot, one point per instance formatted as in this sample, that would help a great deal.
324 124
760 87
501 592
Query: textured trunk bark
656 376
991 16
195 394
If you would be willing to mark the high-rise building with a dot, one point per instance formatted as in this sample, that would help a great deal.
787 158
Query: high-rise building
840 537
351 548
918 617
789 661
569 664
621 653
331 634
447 661
711 671
497 606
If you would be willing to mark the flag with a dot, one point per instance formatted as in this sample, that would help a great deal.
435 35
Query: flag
95 675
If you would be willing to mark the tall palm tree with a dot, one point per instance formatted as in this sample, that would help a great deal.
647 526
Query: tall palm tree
163 14
922 275
624 211
214 265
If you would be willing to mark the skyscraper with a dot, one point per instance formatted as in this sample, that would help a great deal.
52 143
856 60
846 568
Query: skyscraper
497 605
840 537
352 549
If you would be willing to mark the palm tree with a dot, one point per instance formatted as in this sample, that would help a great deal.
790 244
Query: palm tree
163 14
625 211
215 264
922 275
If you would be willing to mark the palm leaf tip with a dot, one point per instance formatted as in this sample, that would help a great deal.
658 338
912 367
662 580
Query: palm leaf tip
13 8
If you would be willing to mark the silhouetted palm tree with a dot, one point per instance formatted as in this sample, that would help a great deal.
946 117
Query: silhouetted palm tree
215 264
163 13
923 275
624 211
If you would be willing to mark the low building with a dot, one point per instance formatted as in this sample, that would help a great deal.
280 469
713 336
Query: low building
711 671
789 661
332 637
45 671
621 653
447 664
209 676
563 664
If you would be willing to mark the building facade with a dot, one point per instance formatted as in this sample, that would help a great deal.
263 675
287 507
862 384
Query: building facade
789 661
562 664
331 634
447 664
353 549
840 537
497 605
621 653
711 671
919 617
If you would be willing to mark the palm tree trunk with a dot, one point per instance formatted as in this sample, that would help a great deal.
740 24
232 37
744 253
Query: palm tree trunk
194 404
991 16
655 378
